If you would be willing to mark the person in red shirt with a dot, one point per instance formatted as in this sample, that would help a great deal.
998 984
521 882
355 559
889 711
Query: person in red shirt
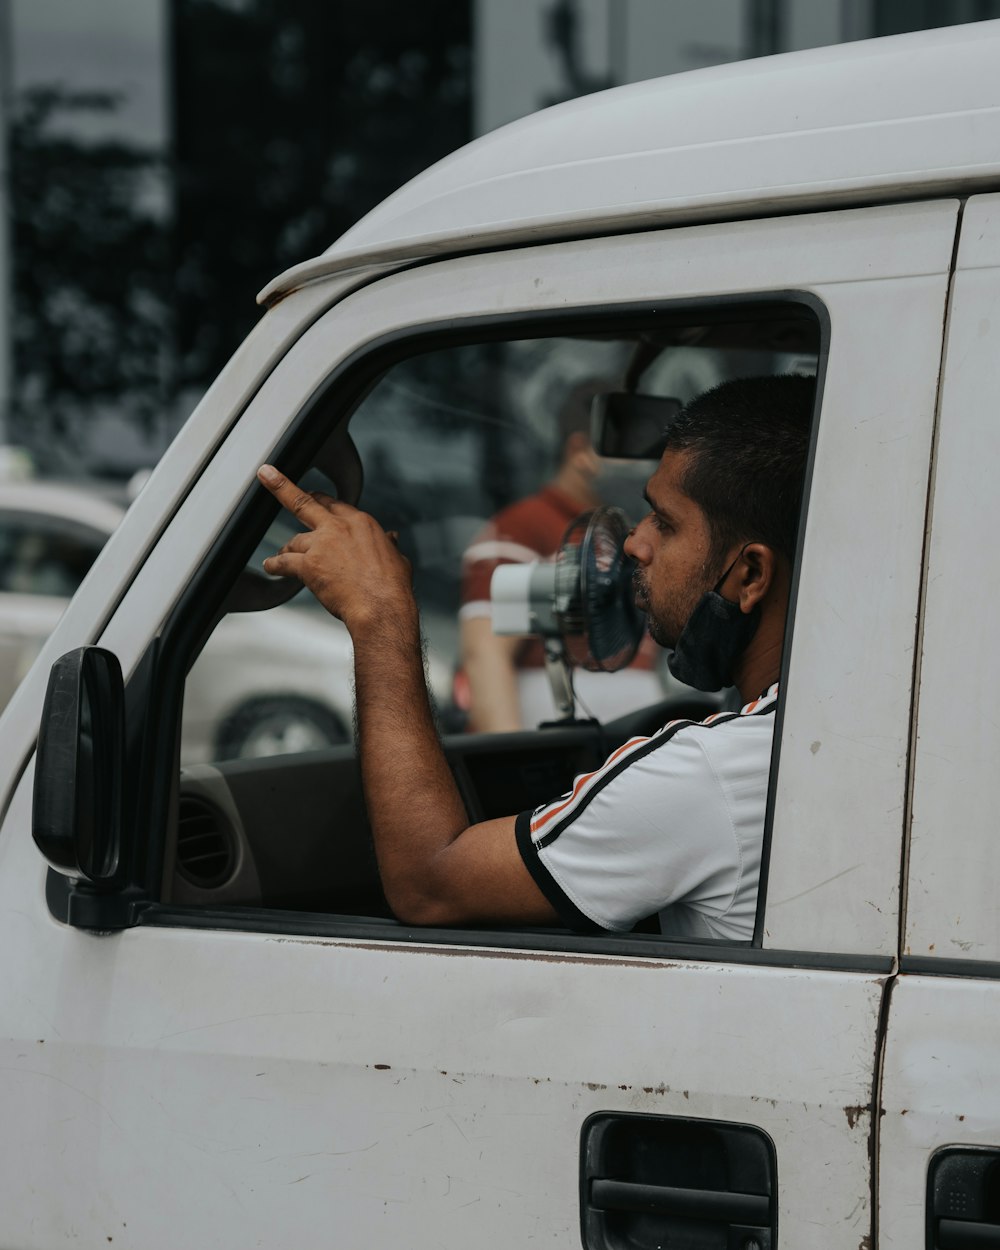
507 688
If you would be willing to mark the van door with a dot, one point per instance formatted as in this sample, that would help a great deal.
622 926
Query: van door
940 1144
240 1075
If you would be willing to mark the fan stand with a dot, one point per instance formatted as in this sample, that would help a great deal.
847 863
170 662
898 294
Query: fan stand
584 594
560 675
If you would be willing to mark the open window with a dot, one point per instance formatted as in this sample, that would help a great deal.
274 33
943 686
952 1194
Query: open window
450 437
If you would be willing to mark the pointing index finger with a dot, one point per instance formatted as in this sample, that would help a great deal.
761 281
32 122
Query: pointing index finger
298 501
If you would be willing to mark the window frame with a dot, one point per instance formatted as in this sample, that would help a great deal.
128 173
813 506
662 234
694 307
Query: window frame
159 682
871 266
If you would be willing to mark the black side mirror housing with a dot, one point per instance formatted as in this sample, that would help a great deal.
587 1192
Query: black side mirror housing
79 768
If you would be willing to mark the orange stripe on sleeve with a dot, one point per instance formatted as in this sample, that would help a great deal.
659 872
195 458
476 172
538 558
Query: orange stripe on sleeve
581 782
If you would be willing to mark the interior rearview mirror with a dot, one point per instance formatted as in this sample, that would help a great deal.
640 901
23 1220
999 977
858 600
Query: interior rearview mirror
77 814
629 426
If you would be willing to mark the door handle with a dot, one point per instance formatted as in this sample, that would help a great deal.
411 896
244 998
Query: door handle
963 1199
649 1180
695 1204
967 1235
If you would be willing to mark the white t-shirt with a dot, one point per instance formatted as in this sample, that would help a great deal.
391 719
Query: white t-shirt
671 824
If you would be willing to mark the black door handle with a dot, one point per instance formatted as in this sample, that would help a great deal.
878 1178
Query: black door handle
967 1235
656 1180
694 1204
963 1199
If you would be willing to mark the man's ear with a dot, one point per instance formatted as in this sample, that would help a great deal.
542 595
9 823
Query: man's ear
759 570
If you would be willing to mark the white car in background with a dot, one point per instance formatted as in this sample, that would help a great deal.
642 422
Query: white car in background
267 683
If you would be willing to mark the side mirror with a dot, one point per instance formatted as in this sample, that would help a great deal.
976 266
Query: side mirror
629 426
77 816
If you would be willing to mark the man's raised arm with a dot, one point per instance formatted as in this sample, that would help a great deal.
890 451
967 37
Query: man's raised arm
436 869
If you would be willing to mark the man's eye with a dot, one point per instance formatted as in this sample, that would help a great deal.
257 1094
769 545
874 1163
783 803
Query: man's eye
660 523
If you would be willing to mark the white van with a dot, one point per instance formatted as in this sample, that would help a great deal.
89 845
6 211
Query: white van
212 1033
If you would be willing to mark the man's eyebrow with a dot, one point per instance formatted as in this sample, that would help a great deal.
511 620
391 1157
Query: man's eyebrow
662 512
650 502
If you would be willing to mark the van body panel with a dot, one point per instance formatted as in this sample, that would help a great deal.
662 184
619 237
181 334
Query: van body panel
906 117
954 860
232 1089
850 680
940 1087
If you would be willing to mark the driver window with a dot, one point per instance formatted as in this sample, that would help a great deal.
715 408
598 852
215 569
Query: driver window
479 456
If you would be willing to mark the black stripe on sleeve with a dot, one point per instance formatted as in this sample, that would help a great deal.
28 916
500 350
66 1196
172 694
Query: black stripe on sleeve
654 743
616 771
567 911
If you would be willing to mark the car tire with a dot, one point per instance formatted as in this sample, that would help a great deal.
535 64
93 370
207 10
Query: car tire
282 725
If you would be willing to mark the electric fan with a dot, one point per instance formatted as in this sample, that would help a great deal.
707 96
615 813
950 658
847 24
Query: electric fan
581 603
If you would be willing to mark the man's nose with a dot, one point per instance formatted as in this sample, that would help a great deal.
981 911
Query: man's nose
634 546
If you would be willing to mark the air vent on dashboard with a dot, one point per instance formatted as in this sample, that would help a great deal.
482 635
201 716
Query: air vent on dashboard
206 856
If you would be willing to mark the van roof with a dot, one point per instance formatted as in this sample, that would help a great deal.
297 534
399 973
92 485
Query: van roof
885 119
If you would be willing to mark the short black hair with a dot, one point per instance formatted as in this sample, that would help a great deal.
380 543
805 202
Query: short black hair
749 440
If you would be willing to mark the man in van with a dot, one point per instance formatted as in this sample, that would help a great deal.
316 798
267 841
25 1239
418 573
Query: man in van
670 824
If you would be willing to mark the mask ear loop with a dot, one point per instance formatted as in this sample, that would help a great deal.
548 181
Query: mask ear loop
735 561
715 588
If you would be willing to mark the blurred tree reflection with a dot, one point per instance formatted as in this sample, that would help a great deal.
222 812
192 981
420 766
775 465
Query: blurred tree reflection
89 272
293 118
135 271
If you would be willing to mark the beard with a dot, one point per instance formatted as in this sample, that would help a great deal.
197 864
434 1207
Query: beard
659 634
666 618
660 630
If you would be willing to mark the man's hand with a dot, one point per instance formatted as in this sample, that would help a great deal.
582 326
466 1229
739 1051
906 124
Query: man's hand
345 558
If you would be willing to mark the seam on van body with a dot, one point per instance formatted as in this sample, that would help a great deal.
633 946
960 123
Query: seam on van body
918 641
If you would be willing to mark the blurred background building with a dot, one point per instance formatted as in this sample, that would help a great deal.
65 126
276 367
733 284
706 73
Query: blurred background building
160 160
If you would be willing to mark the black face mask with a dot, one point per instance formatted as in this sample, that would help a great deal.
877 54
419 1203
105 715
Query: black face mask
714 637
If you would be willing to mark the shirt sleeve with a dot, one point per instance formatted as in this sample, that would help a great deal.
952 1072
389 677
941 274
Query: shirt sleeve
516 536
649 829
